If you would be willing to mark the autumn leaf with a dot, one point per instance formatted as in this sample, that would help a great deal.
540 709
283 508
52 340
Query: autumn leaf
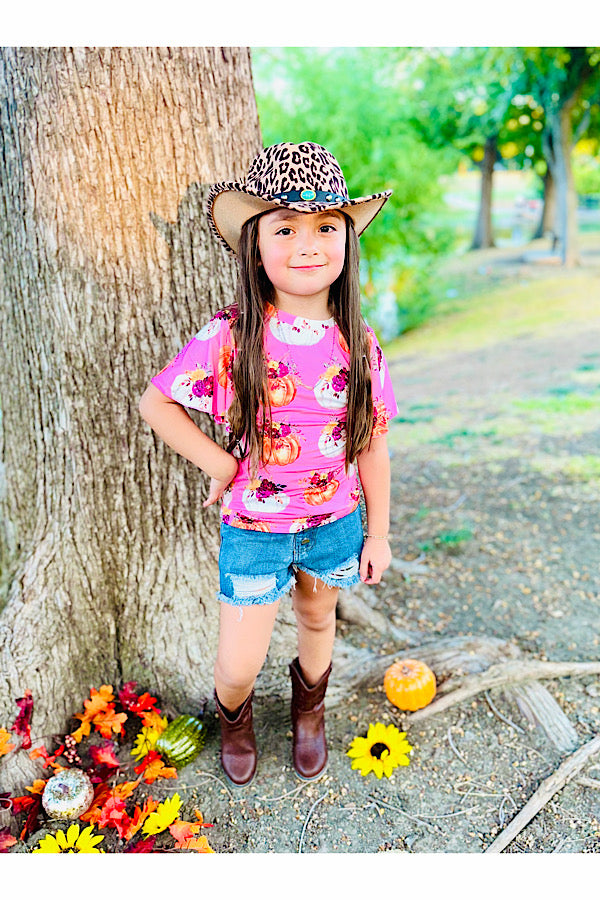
200 844
49 759
83 730
99 700
139 817
108 721
104 755
38 786
127 694
165 815
153 767
146 845
183 831
114 815
5 747
22 725
152 719
6 839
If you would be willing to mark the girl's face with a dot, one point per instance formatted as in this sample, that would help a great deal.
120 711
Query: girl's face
302 253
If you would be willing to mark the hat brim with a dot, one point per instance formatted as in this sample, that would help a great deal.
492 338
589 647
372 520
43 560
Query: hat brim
229 205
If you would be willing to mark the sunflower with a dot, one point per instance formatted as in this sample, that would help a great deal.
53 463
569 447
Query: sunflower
380 751
71 842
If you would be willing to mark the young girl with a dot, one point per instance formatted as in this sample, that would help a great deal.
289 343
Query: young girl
302 387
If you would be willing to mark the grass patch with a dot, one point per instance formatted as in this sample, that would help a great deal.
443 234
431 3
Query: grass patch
583 468
562 403
448 541
505 312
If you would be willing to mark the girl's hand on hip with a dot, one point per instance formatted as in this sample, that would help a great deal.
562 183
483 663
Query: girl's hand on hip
216 490
375 559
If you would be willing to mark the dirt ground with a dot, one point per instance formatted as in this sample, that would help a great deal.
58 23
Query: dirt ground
496 481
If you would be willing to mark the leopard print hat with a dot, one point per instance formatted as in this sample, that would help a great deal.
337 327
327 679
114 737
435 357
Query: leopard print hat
305 177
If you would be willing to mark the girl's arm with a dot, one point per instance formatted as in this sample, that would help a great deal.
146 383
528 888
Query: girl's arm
374 472
171 422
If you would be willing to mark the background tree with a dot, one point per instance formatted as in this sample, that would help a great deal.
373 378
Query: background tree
351 100
461 98
108 561
565 82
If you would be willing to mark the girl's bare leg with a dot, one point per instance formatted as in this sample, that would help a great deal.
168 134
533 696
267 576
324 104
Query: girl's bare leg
315 615
244 636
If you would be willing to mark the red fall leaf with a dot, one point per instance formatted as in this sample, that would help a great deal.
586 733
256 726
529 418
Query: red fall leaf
22 725
6 840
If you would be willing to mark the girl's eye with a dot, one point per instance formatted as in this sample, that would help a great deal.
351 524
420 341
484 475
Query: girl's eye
284 231
327 228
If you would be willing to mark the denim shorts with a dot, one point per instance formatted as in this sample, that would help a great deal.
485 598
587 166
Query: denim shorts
257 567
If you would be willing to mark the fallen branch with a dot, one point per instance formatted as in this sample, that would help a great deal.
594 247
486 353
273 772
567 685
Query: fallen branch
503 674
567 770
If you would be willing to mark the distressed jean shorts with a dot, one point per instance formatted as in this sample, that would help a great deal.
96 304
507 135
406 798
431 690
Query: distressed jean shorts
257 567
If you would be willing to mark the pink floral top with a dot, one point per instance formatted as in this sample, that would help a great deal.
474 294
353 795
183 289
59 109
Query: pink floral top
304 482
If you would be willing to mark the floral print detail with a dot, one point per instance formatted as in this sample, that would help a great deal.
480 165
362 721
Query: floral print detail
266 495
332 441
225 365
302 480
330 390
194 389
311 521
380 419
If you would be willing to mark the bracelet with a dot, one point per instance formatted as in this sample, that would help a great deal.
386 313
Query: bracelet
380 537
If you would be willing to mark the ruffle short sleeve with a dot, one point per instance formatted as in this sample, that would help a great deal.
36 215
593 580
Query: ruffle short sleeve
199 377
384 401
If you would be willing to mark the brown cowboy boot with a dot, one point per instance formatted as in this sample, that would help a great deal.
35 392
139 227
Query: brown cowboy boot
309 749
238 747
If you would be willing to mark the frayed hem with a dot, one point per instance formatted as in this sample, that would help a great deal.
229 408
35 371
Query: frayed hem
271 596
346 581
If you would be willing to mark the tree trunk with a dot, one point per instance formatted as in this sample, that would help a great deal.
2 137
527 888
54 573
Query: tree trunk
547 223
483 236
566 197
108 268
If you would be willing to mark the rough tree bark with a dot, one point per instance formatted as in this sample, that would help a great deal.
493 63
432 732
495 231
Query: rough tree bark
108 560
483 236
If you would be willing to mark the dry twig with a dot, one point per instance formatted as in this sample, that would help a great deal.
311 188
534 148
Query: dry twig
567 770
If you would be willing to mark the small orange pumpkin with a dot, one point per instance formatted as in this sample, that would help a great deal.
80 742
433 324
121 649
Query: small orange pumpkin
409 684
316 494
281 451
282 390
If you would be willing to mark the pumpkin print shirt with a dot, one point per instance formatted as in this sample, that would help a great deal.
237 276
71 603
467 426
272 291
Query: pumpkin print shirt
303 481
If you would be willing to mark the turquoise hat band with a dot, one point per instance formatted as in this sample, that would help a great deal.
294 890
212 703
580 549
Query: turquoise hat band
310 196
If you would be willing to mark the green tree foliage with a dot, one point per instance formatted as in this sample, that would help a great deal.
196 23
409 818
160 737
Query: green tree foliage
352 101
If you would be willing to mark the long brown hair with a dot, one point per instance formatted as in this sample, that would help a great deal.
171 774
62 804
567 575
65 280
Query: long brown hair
251 391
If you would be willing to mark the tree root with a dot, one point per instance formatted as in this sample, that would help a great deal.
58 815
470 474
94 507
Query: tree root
567 770
501 674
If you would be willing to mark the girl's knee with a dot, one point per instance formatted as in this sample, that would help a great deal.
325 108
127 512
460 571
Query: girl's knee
235 674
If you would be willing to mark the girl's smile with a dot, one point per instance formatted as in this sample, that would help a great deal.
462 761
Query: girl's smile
302 255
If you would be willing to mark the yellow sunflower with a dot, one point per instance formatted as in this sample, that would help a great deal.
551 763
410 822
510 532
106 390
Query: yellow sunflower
380 751
71 842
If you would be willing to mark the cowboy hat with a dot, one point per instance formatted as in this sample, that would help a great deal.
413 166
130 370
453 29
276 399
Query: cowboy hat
305 177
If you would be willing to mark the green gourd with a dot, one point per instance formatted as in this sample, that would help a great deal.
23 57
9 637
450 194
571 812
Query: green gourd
181 741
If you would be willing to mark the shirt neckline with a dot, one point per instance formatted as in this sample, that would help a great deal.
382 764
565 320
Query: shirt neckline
290 318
